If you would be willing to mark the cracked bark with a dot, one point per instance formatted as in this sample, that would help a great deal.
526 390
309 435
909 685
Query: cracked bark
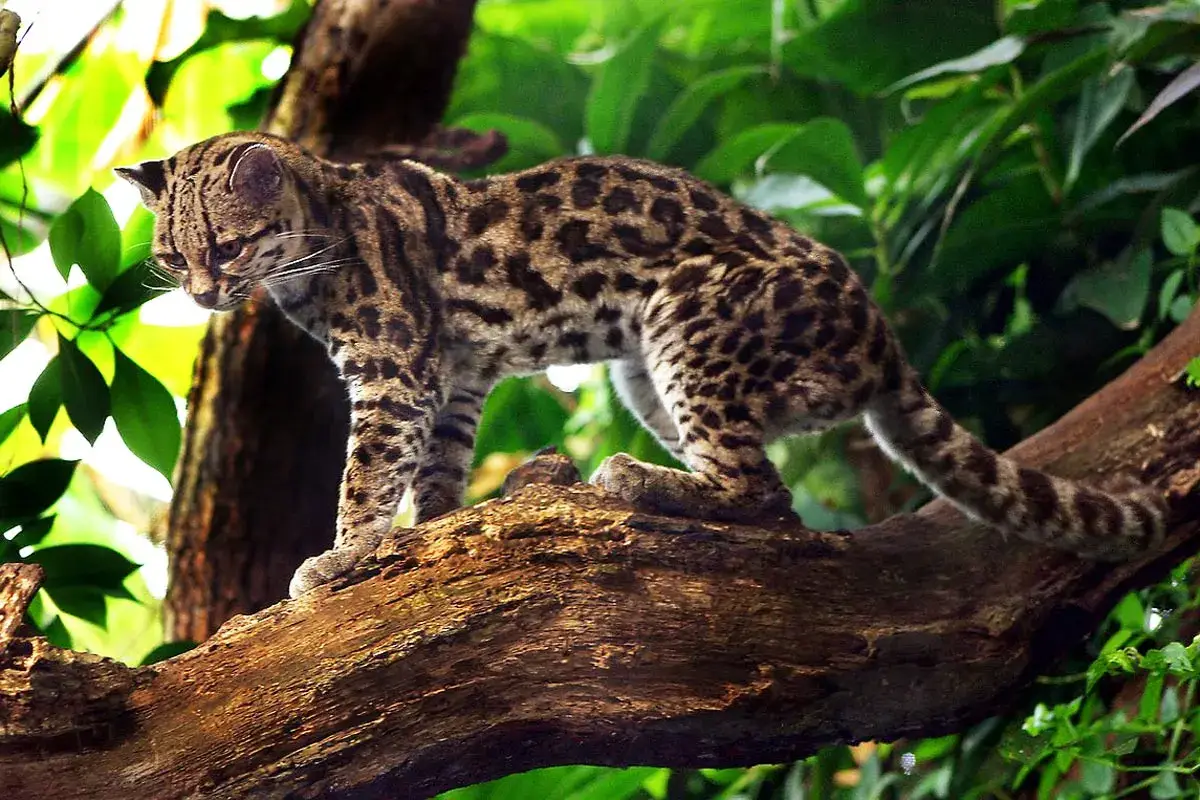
558 626
256 489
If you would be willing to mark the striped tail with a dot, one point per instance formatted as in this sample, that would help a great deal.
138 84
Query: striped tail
914 430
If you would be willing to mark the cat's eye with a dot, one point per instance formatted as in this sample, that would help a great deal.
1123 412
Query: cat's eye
173 260
229 250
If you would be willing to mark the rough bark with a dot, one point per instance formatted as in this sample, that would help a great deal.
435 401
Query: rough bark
559 626
256 491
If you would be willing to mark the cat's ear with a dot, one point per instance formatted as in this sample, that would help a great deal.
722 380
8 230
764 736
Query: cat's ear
149 177
256 175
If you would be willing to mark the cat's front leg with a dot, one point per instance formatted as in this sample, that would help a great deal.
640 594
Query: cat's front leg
442 477
391 426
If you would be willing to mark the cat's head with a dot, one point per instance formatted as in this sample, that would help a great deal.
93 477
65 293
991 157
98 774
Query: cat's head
232 212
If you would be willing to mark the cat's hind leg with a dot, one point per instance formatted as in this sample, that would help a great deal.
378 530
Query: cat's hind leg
636 390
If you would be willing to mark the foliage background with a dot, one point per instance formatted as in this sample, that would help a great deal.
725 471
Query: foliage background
966 155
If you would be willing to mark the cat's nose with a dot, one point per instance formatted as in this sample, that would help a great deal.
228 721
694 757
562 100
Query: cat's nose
208 299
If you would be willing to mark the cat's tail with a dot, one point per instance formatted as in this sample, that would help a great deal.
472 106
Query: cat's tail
917 432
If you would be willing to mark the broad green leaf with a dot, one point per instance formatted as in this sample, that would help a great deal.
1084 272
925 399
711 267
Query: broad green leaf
1003 228
542 419
824 150
45 398
523 79
1096 777
136 237
1166 787
86 234
1166 295
84 392
15 325
1102 97
33 487
1174 91
100 568
1048 90
1180 233
690 104
207 85
736 156
1192 371
867 45
132 288
145 415
16 137
82 602
1177 658
1001 51
1117 289
616 90
1037 16
32 533
1151 698
10 419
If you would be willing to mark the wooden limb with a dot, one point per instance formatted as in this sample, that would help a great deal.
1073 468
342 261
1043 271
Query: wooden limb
558 626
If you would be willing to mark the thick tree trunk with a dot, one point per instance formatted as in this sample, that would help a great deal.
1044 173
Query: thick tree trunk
558 626
257 486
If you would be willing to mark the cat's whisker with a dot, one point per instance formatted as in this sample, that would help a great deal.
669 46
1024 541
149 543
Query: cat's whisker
327 266
313 254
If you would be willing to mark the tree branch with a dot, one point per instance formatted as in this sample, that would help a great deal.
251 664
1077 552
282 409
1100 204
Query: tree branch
559 626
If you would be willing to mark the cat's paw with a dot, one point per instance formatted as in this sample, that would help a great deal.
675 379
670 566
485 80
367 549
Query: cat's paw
321 569
650 487
678 493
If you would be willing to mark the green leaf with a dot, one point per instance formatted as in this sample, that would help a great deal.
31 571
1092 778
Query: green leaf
1001 51
33 487
868 45
824 150
1151 697
1117 289
84 392
1102 97
542 418
1168 291
1177 658
100 568
16 138
1174 91
1180 233
690 104
618 87
10 419
145 415
132 288
1192 372
45 398
15 325
1181 307
737 155
1001 229
1166 787
80 601
136 237
166 650
1097 777
87 234
34 532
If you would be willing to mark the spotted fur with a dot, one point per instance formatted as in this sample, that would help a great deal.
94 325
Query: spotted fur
723 327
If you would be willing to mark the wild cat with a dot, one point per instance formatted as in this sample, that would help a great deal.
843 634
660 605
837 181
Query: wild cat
723 328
